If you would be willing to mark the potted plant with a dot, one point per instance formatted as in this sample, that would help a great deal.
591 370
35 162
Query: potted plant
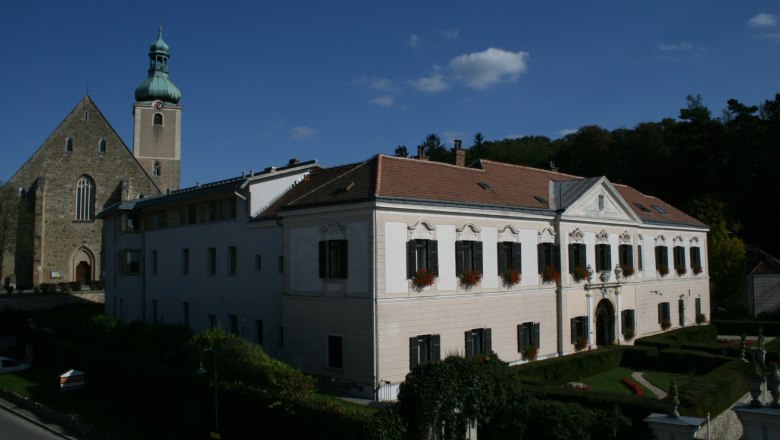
701 318
666 324
511 277
579 273
628 334
423 278
470 278
663 270
581 343
697 269
681 270
551 275
530 352
628 270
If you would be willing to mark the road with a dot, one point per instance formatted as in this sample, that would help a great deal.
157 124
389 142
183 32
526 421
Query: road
13 427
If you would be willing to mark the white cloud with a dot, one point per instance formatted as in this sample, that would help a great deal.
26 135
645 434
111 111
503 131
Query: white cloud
668 47
450 34
414 41
434 83
480 70
383 101
303 132
763 20
377 83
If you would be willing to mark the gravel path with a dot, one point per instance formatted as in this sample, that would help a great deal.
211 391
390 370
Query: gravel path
640 378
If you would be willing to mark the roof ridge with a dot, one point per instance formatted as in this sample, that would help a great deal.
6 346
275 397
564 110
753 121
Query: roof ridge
449 165
531 168
354 167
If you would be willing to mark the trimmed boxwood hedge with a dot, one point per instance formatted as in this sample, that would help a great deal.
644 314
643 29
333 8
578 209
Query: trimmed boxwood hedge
685 361
715 391
675 338
750 328
557 371
639 357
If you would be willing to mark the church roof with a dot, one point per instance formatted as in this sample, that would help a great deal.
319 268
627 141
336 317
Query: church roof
158 86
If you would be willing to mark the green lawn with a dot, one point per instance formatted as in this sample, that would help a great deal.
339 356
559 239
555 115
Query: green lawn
611 381
663 380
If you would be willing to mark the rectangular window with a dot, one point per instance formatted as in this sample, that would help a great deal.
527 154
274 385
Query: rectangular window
185 308
192 214
154 262
626 256
478 341
232 260
212 261
509 256
259 331
662 259
154 310
335 352
281 264
424 348
527 335
130 262
664 314
577 257
681 312
258 262
698 307
132 223
468 257
233 324
333 259
627 319
185 261
639 257
696 260
548 254
421 254
603 257
679 259
579 329
212 322
231 206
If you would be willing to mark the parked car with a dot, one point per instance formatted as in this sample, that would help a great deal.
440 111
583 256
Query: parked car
8 365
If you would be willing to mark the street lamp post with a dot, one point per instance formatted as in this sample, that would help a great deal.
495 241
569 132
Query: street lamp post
202 370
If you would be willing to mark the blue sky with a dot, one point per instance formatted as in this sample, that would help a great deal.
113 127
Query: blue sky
339 81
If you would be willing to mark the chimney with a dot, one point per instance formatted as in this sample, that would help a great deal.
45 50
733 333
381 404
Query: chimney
421 153
293 161
460 154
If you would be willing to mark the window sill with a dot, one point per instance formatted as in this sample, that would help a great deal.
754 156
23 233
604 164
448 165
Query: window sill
83 221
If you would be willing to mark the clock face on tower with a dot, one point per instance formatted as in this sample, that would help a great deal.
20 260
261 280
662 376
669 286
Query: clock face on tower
158 105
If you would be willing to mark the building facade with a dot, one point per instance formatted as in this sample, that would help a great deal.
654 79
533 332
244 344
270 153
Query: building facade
82 168
391 262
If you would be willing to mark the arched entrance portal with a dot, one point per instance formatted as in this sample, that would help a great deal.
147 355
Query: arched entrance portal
605 323
83 266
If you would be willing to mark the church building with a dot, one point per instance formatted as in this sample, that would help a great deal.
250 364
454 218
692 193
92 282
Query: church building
84 167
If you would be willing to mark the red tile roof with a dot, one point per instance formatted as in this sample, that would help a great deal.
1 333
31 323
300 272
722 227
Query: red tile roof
489 183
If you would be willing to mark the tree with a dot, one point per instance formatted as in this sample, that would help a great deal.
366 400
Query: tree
401 151
435 150
9 216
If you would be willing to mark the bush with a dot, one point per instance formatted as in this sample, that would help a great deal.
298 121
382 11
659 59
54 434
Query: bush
750 328
573 367
639 357
686 361
716 391
674 338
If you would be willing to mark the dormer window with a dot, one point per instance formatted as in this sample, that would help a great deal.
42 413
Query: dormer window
158 119
69 145
102 146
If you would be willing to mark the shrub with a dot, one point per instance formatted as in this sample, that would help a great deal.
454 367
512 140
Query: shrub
715 391
686 361
633 386
734 327
573 367
674 338
470 278
511 277
639 357
423 278
579 273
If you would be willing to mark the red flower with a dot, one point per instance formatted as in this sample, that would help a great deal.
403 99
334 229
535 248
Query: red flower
633 386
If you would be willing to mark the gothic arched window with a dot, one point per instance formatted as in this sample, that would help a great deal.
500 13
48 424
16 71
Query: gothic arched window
102 146
158 119
69 144
85 199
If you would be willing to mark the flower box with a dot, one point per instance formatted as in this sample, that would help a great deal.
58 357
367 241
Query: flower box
579 273
530 352
628 270
628 334
697 269
470 278
551 275
663 270
423 278
511 277
701 318
666 324
681 270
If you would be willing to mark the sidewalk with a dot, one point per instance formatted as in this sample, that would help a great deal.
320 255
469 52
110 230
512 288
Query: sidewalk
32 417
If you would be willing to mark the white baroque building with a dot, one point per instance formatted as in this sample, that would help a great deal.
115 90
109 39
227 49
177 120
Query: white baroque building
319 264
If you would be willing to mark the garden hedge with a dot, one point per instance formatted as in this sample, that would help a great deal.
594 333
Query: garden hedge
750 328
689 361
715 391
675 338
640 357
557 371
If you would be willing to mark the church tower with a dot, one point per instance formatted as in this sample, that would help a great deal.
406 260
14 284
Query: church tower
157 115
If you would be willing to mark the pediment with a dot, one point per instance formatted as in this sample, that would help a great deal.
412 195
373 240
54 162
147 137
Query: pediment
601 201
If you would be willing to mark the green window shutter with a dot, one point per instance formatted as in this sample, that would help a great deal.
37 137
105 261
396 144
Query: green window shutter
344 259
572 250
488 341
608 256
469 345
323 259
411 253
583 256
573 324
478 256
660 312
517 257
433 256
520 338
501 250
536 336
556 256
435 347
585 327
540 257
458 258
413 353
